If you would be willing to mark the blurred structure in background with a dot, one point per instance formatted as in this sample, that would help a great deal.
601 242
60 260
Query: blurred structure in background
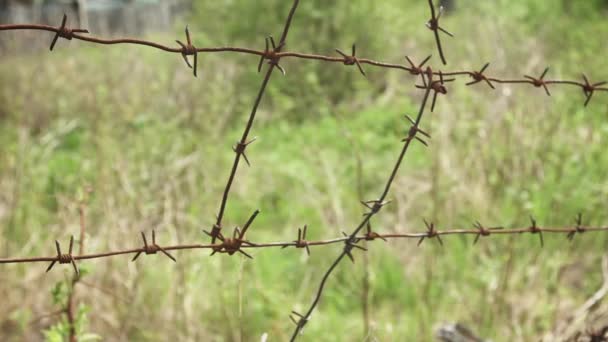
100 17
448 4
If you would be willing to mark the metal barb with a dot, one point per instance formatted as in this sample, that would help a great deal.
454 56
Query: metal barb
272 55
187 50
301 241
233 245
433 25
215 233
371 235
239 148
64 258
152 248
374 205
65 32
540 82
483 231
478 76
431 232
578 229
300 322
438 86
413 131
352 58
589 89
534 229
416 70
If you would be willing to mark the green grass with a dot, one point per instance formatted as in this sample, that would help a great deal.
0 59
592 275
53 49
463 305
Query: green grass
154 144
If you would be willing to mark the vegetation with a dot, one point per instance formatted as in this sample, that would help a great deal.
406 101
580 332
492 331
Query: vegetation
154 144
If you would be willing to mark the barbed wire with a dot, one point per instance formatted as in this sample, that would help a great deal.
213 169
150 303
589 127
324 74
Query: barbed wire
238 242
434 82
275 54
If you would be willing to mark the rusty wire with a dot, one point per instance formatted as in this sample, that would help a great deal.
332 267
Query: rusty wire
275 54
433 25
273 61
478 231
432 81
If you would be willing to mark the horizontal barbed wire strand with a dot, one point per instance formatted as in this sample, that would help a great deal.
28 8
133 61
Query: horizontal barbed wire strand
568 231
291 54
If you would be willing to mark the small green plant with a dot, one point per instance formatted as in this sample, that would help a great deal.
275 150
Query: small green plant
72 326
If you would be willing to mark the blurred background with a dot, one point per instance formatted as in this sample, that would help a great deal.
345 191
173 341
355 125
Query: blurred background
153 144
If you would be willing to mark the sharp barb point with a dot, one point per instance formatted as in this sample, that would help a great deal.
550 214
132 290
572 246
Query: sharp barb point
424 61
544 73
433 103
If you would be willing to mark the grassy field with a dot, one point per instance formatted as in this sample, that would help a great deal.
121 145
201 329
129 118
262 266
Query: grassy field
154 144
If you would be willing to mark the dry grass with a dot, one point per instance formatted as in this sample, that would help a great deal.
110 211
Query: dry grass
155 146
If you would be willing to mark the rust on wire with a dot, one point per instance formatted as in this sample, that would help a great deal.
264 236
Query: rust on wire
65 32
275 54
478 76
540 82
371 235
438 86
433 25
417 69
431 232
234 244
352 58
189 50
153 248
568 232
433 82
301 241
483 231
64 258
272 55
273 62
352 239
589 88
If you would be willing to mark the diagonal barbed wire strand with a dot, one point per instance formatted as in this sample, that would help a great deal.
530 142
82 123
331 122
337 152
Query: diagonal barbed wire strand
243 143
375 207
